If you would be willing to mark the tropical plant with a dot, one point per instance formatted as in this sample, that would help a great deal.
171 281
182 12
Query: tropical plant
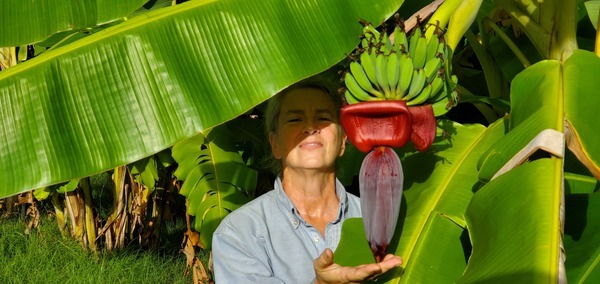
482 204
505 188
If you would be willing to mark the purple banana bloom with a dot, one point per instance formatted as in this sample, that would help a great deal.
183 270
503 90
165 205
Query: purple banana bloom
380 180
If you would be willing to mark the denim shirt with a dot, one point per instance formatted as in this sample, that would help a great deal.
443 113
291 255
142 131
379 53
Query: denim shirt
266 240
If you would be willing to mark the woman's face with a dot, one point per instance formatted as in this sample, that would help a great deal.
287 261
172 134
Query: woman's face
309 135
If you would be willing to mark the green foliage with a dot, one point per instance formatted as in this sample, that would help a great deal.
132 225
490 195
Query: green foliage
582 236
216 180
514 226
41 19
145 171
476 207
592 8
138 87
69 186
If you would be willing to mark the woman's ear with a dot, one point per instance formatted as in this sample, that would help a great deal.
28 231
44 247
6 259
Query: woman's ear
343 146
274 146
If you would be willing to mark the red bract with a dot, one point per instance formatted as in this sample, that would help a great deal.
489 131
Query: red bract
377 123
380 181
423 126
388 123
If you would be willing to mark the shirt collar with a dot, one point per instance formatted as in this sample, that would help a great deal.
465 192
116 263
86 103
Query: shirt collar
290 210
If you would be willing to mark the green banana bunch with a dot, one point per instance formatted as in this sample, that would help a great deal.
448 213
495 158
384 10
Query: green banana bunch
415 68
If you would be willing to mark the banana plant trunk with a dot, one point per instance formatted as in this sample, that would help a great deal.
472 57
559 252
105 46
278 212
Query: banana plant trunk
89 216
59 212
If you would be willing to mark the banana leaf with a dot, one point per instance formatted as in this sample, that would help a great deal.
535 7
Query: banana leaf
582 237
592 8
136 88
27 22
514 227
543 97
145 171
216 180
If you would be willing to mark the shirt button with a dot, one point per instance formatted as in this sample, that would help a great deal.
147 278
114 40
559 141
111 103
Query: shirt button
295 222
315 239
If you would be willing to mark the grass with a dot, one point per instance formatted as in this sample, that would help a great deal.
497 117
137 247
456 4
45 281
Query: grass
44 256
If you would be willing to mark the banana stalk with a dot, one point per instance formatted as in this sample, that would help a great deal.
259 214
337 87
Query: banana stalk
380 181
59 213
89 218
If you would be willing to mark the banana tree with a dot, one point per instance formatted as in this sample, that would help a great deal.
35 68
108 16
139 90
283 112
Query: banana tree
498 215
201 63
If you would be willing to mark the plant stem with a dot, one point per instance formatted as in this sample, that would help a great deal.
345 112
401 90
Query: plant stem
89 219
538 33
493 75
59 212
506 39
71 200
563 39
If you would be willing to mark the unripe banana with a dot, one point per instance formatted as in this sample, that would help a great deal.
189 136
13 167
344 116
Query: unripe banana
364 43
442 15
355 89
418 82
412 42
406 74
432 68
385 46
442 106
382 76
400 40
432 47
371 34
420 53
362 79
454 79
367 63
393 72
422 97
460 21
350 99
437 89
451 82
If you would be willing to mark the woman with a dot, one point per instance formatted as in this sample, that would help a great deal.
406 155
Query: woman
288 234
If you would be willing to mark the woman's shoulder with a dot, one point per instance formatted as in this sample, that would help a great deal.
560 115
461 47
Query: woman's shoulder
251 213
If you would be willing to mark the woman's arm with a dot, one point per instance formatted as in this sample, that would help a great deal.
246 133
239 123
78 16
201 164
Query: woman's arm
234 263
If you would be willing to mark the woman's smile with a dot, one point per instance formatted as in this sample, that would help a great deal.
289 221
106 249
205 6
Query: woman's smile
311 145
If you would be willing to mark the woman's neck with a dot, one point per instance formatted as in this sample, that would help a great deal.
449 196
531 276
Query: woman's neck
313 195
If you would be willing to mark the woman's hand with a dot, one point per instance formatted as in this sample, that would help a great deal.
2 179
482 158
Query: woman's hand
328 272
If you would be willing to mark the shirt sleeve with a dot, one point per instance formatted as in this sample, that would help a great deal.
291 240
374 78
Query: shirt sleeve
233 262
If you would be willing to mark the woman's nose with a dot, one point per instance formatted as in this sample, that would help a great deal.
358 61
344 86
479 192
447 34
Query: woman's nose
310 127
